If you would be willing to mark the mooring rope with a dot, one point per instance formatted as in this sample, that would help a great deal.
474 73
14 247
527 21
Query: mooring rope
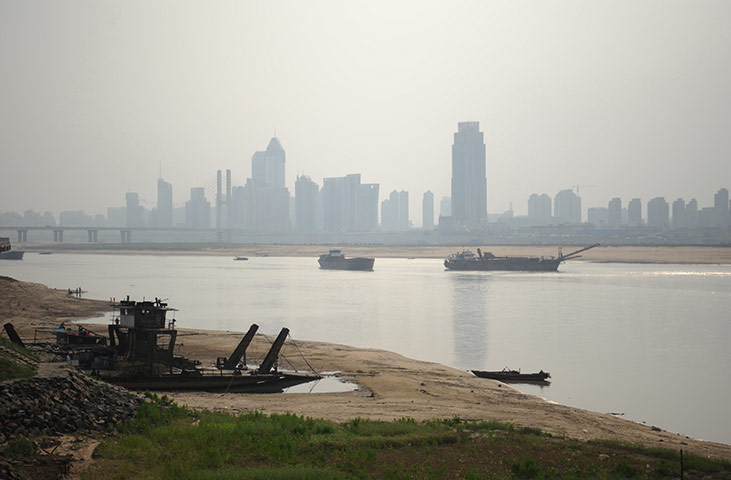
301 355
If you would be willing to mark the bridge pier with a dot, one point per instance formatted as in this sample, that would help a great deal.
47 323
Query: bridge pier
126 236
93 236
58 235
22 236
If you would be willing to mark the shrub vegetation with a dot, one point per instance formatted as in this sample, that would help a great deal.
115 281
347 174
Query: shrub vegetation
168 441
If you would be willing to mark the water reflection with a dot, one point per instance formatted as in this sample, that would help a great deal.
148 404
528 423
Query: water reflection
469 318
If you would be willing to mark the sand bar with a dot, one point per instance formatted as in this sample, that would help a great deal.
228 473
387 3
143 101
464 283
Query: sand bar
617 254
391 386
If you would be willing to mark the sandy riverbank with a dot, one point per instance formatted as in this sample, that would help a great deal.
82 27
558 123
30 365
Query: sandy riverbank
620 254
391 386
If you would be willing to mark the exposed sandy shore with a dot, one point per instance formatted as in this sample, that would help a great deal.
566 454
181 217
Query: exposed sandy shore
623 254
391 386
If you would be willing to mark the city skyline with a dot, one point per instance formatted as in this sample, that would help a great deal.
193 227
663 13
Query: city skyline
562 208
93 104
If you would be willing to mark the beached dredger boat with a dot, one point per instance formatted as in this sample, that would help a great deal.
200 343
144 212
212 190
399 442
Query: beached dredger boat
513 376
466 260
143 343
335 260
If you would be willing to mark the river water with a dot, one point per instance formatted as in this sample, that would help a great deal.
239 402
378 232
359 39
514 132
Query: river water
648 341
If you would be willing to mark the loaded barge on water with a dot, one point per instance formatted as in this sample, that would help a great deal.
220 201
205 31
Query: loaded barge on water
335 260
7 252
466 260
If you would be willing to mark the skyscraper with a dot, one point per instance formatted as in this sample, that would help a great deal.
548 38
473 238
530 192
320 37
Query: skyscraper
469 183
567 207
539 208
721 205
658 212
634 212
614 212
445 207
679 213
267 167
306 198
691 213
348 205
164 203
198 209
403 210
265 199
134 210
389 212
427 211
395 211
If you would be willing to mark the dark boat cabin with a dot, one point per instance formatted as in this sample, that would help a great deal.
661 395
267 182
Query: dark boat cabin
141 333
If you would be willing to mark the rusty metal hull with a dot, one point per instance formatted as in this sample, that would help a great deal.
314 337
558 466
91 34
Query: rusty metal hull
12 255
244 383
513 376
528 264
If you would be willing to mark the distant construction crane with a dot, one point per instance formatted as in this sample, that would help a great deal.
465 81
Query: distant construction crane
576 188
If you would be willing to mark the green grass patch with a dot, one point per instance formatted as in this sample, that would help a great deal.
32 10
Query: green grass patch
8 344
10 369
167 441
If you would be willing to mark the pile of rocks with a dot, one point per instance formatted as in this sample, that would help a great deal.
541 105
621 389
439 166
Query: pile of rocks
63 404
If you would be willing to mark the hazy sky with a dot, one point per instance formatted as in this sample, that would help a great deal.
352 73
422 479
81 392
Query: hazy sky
624 98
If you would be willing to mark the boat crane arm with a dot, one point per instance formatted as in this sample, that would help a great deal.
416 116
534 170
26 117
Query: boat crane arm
575 253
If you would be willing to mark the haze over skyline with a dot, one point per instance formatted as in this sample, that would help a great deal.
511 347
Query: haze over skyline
625 99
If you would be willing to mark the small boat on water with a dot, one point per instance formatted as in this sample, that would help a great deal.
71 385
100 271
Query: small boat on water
466 260
514 376
6 252
335 260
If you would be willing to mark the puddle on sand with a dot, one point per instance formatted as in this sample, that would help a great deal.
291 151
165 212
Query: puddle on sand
327 384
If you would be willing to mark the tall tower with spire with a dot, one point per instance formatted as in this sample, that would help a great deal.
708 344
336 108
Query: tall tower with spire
267 167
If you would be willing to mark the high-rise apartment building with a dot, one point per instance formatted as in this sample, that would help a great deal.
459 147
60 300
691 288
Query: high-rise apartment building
427 211
367 210
348 205
658 212
469 183
307 204
539 208
198 209
445 207
691 213
134 210
164 203
403 210
567 207
634 212
389 212
614 212
721 206
679 214
395 212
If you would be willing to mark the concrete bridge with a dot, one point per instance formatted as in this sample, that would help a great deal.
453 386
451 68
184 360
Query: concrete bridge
125 233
